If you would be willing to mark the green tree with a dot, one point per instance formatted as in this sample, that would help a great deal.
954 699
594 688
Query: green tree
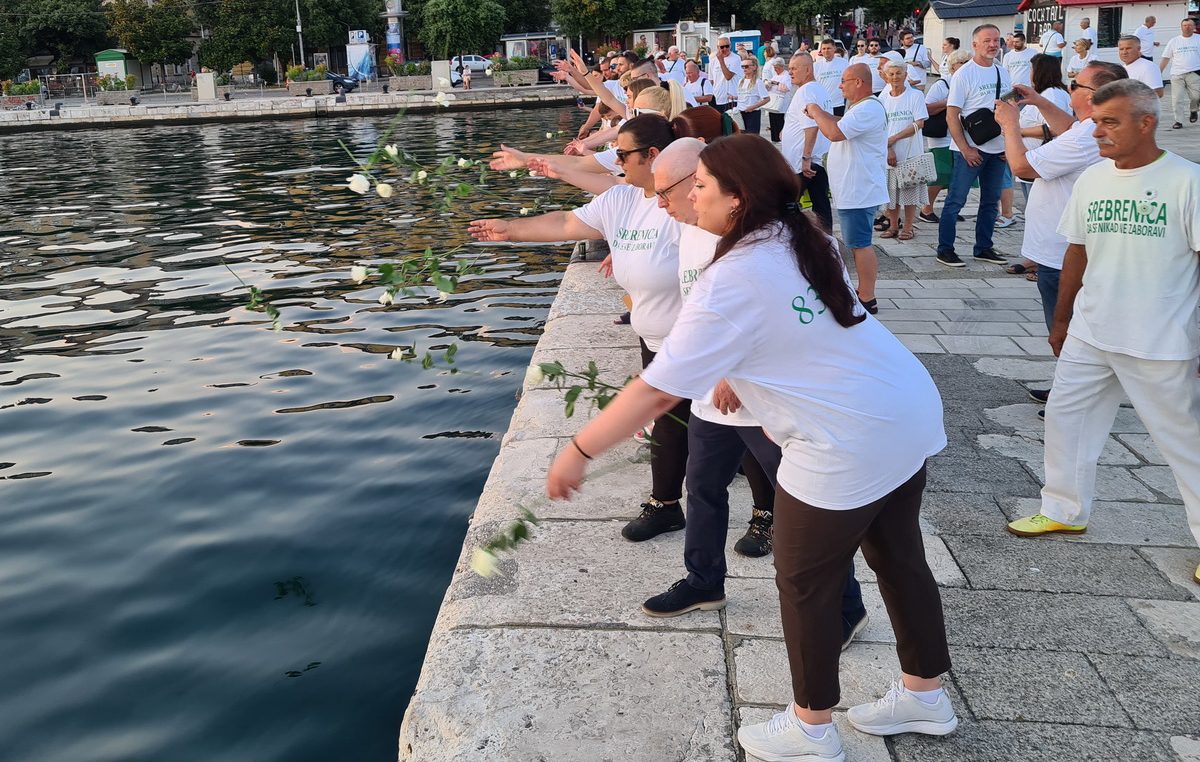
801 13
449 26
526 16
607 18
254 30
154 33
67 29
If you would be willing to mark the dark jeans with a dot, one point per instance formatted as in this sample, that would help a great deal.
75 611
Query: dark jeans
818 192
723 107
776 121
1047 283
668 446
990 174
812 546
753 121
714 452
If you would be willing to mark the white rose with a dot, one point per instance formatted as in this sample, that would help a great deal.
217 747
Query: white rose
358 273
391 150
525 211
483 563
533 174
422 176
549 136
358 183
464 162
534 375
513 173
488 71
386 298
397 354
443 296
384 190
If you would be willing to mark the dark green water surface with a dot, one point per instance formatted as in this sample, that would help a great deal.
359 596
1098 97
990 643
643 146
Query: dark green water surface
218 542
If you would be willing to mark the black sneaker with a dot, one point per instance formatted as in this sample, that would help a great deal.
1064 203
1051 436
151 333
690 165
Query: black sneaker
654 519
851 631
1039 395
1192 117
931 217
681 598
991 257
1042 414
756 543
950 259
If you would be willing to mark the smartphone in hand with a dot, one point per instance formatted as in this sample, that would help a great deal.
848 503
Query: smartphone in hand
1012 96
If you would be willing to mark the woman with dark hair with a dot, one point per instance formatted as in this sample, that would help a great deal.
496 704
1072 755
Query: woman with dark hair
644 250
856 415
703 123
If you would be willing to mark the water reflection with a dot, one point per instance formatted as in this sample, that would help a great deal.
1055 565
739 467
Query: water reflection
164 453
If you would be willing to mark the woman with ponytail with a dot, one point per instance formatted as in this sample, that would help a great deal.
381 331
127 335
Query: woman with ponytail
856 415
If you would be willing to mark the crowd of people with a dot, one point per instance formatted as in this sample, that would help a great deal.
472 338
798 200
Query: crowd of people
759 354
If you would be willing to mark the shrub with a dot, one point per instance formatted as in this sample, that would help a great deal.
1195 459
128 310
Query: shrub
110 83
516 63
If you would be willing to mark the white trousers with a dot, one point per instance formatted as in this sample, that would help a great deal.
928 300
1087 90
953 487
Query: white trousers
1087 390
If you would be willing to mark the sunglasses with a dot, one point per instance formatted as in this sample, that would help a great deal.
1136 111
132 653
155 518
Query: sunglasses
722 46
1076 86
666 191
622 154
641 111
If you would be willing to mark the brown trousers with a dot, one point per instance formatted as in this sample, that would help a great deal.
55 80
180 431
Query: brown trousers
813 546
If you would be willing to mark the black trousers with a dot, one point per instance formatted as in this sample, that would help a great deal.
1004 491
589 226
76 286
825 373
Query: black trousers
818 192
753 121
776 120
669 446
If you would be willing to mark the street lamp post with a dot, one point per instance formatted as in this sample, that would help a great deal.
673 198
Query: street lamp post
300 32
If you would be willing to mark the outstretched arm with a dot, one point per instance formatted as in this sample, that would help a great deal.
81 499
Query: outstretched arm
555 226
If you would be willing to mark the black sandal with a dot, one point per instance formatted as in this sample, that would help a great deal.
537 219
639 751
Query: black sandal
871 306
623 320
1020 269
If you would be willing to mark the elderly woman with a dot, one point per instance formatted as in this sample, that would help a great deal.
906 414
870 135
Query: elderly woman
1083 56
779 84
905 107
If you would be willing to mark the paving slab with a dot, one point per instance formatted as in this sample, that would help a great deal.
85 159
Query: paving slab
570 695
1159 694
1187 748
1160 479
986 475
962 513
991 741
762 677
980 345
753 611
1175 623
1143 445
1115 522
1005 562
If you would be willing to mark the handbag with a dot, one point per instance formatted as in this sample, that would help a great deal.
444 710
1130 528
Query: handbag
919 170
936 126
981 124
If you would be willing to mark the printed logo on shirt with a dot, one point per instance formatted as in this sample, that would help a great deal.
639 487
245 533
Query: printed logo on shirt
901 115
1126 216
635 239
803 312
688 278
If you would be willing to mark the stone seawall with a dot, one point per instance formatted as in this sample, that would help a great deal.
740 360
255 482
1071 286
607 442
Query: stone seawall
248 109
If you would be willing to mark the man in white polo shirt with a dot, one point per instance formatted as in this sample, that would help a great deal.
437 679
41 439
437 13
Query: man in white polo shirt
1087 33
671 67
697 89
1129 50
828 68
1145 33
803 145
1053 41
1135 215
1182 54
725 74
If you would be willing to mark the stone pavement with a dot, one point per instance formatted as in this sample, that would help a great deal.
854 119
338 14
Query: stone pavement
1064 648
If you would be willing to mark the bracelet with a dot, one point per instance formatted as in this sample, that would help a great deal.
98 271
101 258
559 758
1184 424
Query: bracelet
580 449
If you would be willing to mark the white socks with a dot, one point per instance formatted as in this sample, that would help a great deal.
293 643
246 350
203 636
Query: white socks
926 697
815 732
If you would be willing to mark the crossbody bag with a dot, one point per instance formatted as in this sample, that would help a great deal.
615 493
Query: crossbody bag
981 124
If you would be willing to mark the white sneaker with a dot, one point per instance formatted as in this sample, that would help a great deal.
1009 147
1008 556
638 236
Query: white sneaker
901 712
782 739
1003 222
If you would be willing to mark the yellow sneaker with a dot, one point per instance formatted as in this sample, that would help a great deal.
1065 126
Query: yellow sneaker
1196 576
1037 524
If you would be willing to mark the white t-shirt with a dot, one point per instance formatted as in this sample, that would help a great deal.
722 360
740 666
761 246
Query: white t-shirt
829 74
974 87
902 110
696 249
750 92
783 87
796 122
1146 35
855 413
1076 64
1087 34
1141 286
938 91
644 242
726 89
1019 68
1031 116
858 165
1184 53
674 71
1058 164
920 54
1050 43
1145 72
702 86
614 86
872 63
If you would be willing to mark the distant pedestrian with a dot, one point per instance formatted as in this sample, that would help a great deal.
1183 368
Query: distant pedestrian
804 146
751 97
1129 50
1083 56
973 92
939 145
1053 41
1145 33
905 107
1134 215
780 88
1182 56
827 69
857 171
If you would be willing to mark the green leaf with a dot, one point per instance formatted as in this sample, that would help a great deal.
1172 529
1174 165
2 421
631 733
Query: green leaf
572 394
570 409
427 361
519 532
451 351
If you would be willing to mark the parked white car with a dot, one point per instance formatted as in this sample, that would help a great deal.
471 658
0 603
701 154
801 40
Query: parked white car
476 63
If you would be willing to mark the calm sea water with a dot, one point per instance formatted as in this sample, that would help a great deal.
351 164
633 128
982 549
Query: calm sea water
218 541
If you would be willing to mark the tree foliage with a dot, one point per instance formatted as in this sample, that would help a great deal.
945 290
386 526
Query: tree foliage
254 30
526 16
153 33
449 27
801 13
66 29
607 18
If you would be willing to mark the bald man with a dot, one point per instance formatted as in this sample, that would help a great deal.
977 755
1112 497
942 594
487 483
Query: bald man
803 145
723 436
